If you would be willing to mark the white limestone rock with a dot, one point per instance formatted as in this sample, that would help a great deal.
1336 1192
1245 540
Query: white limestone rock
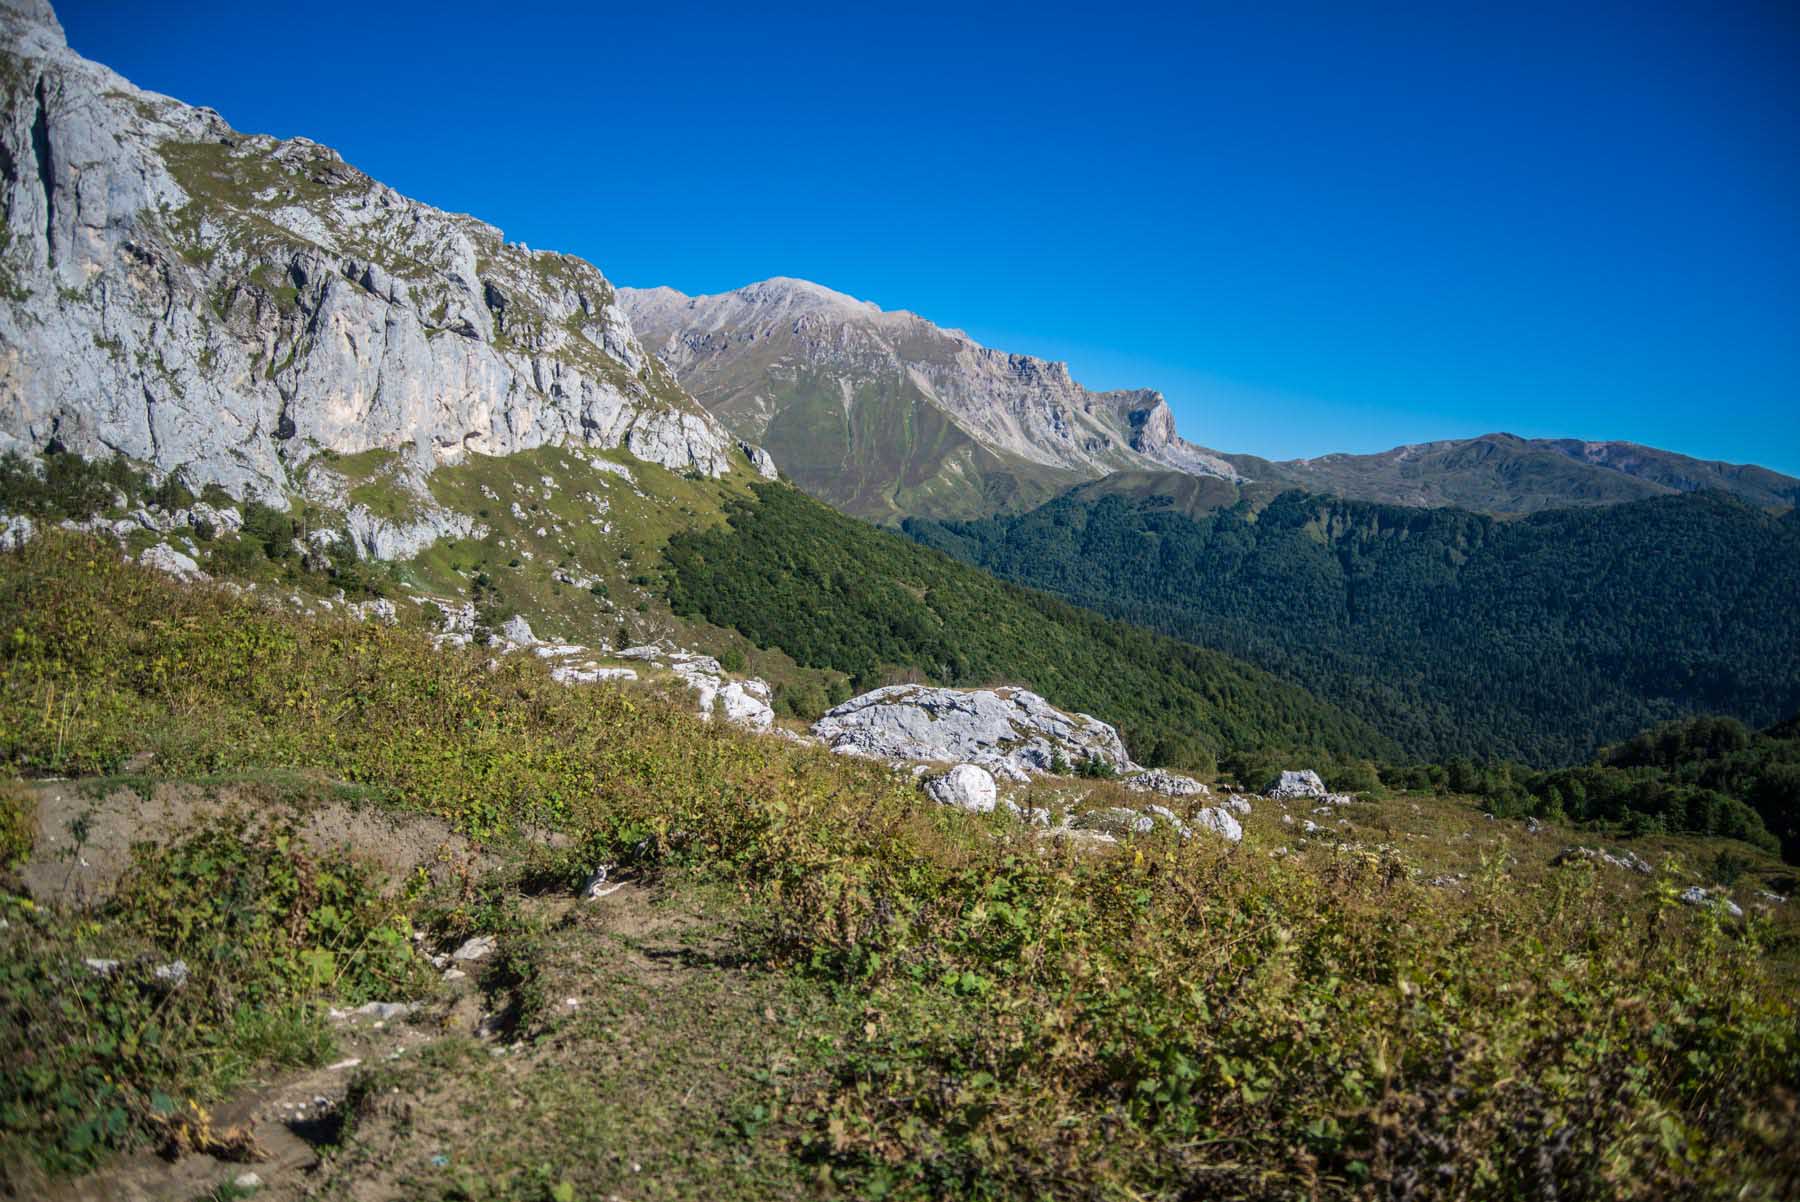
1012 732
966 787
165 558
15 531
1293 785
236 305
1169 784
1219 822
1115 821
1694 895
1630 861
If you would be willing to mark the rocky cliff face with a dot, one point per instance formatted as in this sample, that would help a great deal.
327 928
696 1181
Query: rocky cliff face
231 305
884 413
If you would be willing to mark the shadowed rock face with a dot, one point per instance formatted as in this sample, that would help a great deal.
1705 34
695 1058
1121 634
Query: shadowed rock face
231 305
884 414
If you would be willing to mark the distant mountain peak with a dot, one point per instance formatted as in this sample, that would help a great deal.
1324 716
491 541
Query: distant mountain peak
885 413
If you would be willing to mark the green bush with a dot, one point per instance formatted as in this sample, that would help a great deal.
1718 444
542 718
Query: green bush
18 823
64 485
104 1060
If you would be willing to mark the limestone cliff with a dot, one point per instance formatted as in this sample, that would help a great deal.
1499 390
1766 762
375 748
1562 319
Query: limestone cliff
232 305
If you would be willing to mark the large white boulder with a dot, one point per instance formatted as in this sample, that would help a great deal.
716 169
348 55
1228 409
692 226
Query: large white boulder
1011 732
1293 785
1219 822
165 558
966 787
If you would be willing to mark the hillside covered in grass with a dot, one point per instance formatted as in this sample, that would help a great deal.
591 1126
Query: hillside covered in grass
1538 640
836 593
944 1004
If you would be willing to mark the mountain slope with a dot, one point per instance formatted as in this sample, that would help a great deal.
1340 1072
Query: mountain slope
231 305
1507 475
884 414
836 593
1452 632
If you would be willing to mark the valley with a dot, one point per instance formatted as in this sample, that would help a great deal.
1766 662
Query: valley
470 730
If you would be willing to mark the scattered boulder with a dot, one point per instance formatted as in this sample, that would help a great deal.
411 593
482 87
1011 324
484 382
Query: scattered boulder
1628 860
1295 786
1159 780
966 787
585 674
517 630
379 1011
1011 732
1034 815
1219 822
1169 816
165 558
1694 895
478 948
1291 786
1115 821
15 532
223 519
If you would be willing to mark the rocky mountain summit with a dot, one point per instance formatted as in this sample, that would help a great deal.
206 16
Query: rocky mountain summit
883 412
233 306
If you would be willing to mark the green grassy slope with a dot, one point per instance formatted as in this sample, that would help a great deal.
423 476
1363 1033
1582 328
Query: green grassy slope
1451 632
942 1004
836 593
885 451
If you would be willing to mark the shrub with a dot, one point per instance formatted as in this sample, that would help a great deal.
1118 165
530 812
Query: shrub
101 1060
18 823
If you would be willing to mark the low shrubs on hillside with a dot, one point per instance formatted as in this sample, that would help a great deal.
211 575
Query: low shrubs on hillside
1160 1020
116 1025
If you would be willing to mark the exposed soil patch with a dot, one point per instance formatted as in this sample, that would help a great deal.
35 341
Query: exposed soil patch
86 828
641 1058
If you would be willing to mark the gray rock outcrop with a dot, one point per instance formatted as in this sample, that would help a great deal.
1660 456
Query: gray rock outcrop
1695 895
1630 861
233 305
1011 732
1169 784
1291 786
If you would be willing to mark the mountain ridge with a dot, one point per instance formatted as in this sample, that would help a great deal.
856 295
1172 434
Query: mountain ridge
815 373
731 350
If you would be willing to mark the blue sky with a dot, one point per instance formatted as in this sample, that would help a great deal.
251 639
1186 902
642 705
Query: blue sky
1315 228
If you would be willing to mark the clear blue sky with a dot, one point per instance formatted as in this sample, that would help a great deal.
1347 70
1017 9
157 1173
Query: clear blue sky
1331 227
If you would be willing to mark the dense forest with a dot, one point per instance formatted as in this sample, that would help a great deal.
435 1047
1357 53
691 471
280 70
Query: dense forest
1700 776
834 592
1537 640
